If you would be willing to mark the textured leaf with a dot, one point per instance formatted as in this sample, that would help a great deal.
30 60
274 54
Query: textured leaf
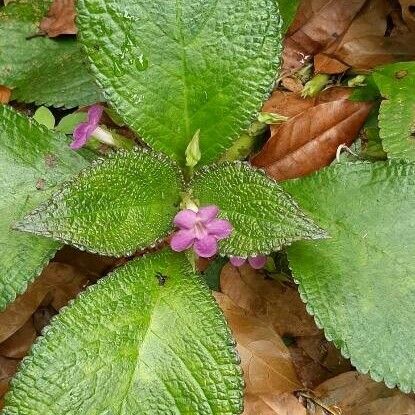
39 69
309 140
396 83
117 206
172 69
359 284
263 216
129 345
33 161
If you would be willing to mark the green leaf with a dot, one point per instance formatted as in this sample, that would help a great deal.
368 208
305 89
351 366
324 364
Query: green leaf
372 148
263 216
288 9
33 161
396 83
132 346
360 284
117 206
212 273
44 116
68 123
170 69
39 69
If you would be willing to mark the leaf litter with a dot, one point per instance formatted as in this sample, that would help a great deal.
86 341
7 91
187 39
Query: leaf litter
289 367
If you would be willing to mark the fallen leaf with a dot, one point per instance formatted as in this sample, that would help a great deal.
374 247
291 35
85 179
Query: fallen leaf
310 372
316 29
366 44
325 353
42 317
8 368
408 12
19 343
284 404
94 265
268 300
370 22
309 141
316 359
5 94
323 63
17 313
286 104
60 19
356 394
265 360
293 84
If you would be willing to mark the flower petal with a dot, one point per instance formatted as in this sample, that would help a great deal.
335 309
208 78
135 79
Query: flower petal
207 213
257 262
206 247
81 134
94 115
219 228
237 261
185 219
182 240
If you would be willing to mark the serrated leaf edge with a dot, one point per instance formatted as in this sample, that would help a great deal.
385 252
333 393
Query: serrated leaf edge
271 184
341 344
22 225
113 99
54 325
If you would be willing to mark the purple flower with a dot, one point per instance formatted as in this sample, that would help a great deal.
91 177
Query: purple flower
256 262
84 130
200 229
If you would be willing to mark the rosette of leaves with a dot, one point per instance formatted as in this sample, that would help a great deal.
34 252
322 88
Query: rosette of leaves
149 338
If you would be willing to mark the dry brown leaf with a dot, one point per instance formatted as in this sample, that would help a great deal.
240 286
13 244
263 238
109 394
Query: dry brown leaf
265 360
408 13
370 22
60 19
323 63
309 141
8 368
284 404
372 51
317 28
364 45
17 346
92 264
315 360
274 303
325 353
17 313
292 83
286 104
42 317
5 94
356 394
